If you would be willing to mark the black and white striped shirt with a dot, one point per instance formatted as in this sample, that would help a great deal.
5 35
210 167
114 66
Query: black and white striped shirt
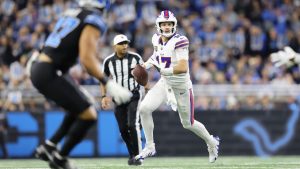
120 69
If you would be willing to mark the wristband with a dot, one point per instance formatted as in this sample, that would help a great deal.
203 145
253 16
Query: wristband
167 71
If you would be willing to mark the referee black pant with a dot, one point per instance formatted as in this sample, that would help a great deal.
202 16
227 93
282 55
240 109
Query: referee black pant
3 142
129 124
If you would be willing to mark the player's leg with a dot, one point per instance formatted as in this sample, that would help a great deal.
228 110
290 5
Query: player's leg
185 102
75 102
153 99
121 117
77 132
66 94
71 98
3 142
45 150
66 124
134 127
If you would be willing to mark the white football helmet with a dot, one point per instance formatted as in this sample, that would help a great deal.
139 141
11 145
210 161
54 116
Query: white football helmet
166 16
94 3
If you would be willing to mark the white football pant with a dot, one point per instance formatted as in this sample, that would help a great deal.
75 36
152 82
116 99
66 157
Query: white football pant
185 104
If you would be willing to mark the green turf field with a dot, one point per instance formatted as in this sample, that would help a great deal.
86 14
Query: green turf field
279 162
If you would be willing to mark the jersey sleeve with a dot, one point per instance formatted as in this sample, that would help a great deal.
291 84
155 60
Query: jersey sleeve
150 62
105 68
96 21
139 60
154 39
182 48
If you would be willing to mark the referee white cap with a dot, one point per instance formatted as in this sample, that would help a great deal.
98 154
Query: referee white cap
120 38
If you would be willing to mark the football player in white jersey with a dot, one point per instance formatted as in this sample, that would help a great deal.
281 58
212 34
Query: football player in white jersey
170 57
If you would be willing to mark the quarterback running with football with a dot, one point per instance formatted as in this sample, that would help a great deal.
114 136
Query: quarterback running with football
170 58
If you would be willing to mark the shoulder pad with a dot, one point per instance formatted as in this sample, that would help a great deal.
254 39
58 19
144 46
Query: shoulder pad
181 41
155 38
95 20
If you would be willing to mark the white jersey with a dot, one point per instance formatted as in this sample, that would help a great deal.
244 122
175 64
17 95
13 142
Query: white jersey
168 54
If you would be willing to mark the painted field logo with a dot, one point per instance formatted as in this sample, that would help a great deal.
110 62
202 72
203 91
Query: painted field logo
252 131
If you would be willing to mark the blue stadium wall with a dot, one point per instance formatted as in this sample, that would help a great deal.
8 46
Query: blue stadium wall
260 133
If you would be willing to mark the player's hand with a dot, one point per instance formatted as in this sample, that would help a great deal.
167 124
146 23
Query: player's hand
284 57
162 71
105 102
147 88
143 65
120 94
154 64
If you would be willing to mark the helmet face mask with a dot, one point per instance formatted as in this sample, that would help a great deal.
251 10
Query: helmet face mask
166 16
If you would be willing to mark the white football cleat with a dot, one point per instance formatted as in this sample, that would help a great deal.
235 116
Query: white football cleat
120 94
148 151
213 149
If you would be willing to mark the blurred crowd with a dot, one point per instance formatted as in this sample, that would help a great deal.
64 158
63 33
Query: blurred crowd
230 40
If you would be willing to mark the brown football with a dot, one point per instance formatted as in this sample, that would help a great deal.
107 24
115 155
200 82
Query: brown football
140 75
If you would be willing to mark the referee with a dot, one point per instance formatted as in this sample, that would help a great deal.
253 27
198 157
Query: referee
119 66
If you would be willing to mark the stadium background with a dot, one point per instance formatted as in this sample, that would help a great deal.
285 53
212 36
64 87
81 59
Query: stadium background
240 95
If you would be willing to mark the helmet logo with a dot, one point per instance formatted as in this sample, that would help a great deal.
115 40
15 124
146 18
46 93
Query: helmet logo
166 14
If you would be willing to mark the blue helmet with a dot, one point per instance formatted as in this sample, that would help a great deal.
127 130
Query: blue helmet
94 3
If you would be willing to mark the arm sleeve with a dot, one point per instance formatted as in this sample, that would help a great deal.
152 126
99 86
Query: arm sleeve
96 21
182 53
152 60
105 68
140 60
149 63
182 48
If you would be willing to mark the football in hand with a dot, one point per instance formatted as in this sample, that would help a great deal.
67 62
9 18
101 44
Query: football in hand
140 75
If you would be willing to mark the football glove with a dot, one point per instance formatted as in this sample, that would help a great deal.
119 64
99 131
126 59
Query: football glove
151 62
163 71
120 94
286 57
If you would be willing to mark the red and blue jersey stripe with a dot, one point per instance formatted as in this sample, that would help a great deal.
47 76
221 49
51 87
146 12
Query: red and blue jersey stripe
182 43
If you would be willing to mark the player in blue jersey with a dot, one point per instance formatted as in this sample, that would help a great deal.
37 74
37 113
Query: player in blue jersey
74 36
